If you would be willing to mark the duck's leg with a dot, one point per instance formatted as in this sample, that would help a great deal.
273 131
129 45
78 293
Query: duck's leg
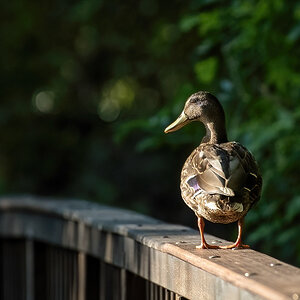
203 244
238 243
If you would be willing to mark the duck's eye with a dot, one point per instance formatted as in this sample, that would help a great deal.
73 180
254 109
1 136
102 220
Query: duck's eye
194 100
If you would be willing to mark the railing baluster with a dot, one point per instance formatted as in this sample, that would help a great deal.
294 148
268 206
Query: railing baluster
1 267
74 278
147 290
161 293
123 286
55 274
48 275
92 291
155 291
81 276
60 274
66 277
29 271
13 269
70 276
151 290
52 274
110 282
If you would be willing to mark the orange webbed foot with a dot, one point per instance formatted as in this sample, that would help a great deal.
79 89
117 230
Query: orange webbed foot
235 246
207 246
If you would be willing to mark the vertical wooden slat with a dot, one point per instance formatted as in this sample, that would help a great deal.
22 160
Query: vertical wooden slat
70 265
151 291
123 284
51 278
13 269
92 278
29 272
81 276
136 287
110 282
74 276
116 283
69 275
157 292
55 278
147 290
103 275
48 275
41 272
161 293
167 295
1 268
65 277
60 273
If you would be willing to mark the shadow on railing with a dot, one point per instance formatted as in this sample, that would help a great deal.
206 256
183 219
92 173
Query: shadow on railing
69 249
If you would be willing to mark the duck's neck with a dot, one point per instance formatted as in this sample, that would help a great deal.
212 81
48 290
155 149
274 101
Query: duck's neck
215 133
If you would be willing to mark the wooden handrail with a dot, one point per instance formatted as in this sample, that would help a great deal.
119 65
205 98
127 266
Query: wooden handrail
160 253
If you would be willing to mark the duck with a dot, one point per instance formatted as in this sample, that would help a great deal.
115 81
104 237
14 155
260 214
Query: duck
220 180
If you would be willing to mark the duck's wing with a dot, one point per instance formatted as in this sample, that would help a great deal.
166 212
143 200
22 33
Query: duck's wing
226 169
253 181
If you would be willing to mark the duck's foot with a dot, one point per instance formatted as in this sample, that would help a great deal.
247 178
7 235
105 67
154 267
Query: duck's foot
203 244
235 246
238 244
206 246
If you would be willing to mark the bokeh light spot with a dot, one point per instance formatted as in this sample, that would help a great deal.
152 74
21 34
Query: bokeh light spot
108 110
122 91
116 96
44 101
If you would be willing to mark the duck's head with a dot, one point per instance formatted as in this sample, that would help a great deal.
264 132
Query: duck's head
201 106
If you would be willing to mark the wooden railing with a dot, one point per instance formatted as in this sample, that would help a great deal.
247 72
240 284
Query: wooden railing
69 249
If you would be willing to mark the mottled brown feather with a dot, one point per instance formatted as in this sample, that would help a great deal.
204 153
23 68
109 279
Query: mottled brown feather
211 172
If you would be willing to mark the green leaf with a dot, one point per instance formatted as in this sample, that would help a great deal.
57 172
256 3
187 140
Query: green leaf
188 22
206 70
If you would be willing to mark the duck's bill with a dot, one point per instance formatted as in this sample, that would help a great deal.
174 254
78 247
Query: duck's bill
179 123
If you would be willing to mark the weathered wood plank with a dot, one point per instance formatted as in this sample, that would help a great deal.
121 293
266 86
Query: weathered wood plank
162 253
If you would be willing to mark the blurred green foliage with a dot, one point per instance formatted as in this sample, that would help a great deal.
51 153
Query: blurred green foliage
88 87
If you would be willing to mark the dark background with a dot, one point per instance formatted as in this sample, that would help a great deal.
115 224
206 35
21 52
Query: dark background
87 88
